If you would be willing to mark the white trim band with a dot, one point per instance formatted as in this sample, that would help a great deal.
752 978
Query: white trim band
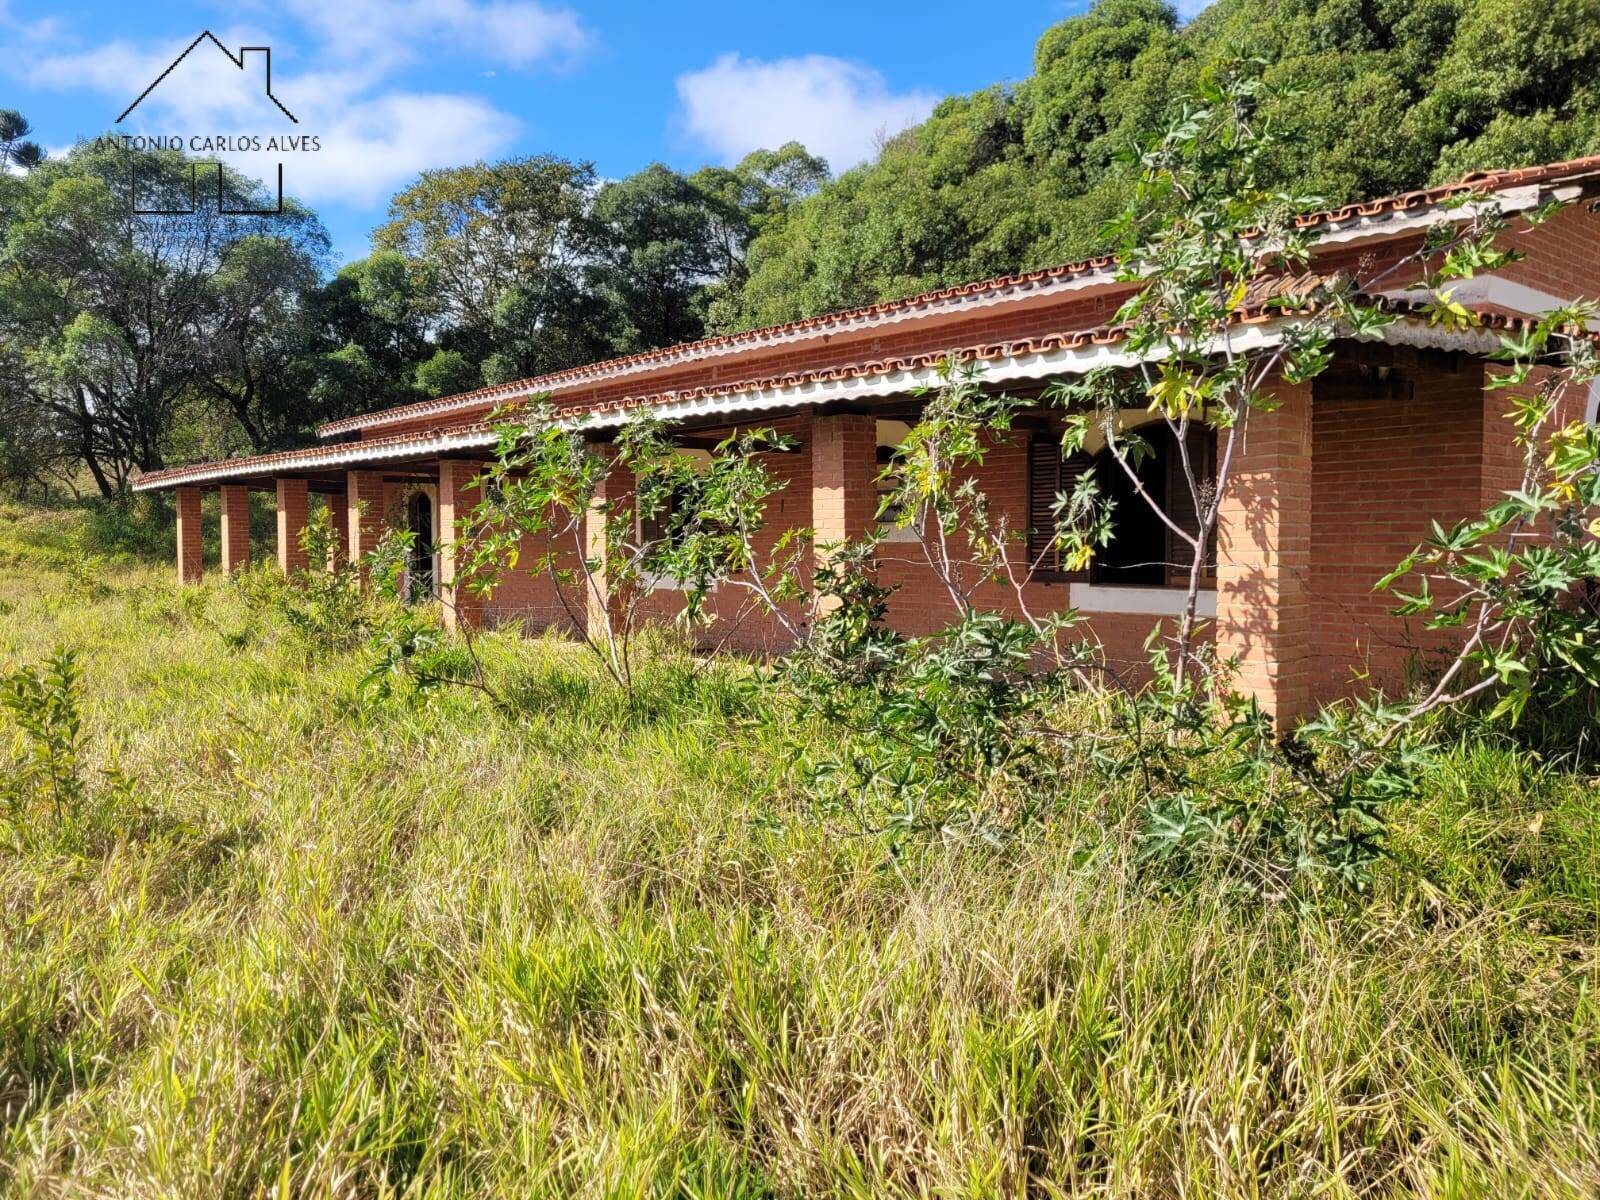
1138 601
345 453
1032 365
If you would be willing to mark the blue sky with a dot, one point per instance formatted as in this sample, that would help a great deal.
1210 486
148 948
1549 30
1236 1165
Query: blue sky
389 89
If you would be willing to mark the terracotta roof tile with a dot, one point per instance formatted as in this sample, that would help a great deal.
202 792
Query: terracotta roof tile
1405 201
1303 287
351 453
646 358
1477 181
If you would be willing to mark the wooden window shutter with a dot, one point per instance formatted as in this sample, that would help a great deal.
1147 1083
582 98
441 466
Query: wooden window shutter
1180 507
1048 476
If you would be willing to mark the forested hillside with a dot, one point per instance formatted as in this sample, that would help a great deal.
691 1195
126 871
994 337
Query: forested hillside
130 342
1392 94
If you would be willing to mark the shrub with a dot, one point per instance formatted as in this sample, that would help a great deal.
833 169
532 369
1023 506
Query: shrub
45 793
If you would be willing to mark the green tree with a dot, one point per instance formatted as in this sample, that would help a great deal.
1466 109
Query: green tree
654 242
447 373
1371 97
494 248
669 250
15 147
123 325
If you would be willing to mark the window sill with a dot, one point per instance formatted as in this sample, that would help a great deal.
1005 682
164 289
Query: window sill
1138 601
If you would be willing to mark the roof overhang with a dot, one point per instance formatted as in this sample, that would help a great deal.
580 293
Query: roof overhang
1031 361
1378 220
1037 360
346 455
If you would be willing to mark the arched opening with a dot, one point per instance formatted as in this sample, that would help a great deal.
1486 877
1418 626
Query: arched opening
419 567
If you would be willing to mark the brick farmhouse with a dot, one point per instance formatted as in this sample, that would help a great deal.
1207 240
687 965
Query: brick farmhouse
1332 488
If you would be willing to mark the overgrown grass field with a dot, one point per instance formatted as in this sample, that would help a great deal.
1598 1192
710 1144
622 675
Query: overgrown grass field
329 945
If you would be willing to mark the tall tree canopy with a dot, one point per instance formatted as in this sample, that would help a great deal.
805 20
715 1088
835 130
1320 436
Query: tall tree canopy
1391 94
115 322
125 341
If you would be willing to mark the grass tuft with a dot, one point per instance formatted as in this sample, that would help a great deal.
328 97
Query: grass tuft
573 946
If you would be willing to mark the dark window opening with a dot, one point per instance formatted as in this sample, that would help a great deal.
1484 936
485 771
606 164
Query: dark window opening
1137 554
419 520
666 527
1144 551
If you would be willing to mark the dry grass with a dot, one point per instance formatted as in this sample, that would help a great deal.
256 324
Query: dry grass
356 950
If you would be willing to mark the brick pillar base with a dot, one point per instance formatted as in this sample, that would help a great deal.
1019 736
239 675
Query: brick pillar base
615 488
461 607
235 505
1264 613
365 500
293 503
188 503
844 469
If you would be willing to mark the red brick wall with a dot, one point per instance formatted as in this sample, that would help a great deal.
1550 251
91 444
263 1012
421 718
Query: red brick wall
919 606
189 539
1380 470
532 597
529 595
1383 469
1562 256
293 507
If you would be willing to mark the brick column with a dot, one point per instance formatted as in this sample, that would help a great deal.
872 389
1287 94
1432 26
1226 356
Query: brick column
1264 609
293 502
844 469
339 524
188 501
365 501
456 499
235 505
614 488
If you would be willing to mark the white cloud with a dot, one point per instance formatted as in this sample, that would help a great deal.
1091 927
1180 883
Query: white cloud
837 109
371 149
1189 9
514 33
37 31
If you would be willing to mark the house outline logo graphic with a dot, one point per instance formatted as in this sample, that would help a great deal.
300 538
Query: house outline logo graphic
239 61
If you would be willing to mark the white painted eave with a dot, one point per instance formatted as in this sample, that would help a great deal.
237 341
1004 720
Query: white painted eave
345 454
1031 366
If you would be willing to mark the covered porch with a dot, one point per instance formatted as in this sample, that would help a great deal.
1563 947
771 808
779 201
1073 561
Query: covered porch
1258 591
